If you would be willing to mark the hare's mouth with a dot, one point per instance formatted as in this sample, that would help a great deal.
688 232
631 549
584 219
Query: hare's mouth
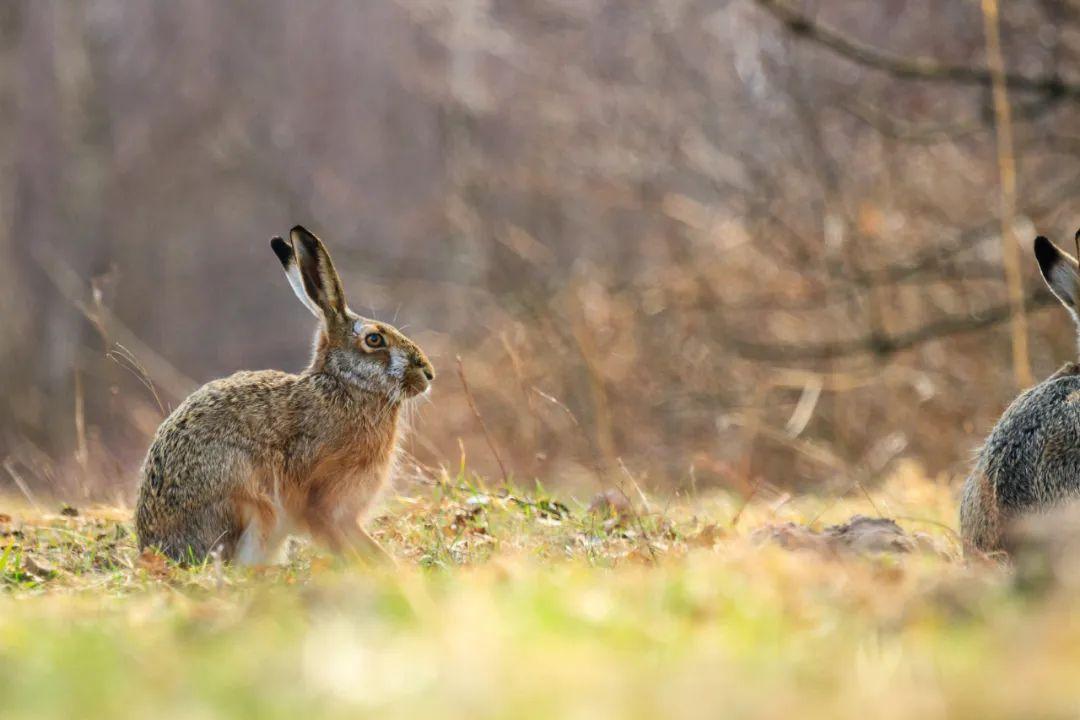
415 382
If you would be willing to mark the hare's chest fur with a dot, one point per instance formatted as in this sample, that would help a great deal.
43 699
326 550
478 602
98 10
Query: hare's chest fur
346 488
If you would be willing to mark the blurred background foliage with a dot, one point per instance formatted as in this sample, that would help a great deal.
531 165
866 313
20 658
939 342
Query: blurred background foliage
736 243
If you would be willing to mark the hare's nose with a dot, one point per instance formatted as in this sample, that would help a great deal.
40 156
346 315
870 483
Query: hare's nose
424 365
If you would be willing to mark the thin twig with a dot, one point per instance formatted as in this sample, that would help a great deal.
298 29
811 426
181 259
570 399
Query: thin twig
746 500
71 286
557 403
519 373
1010 251
633 511
82 450
21 484
936 523
132 364
605 437
480 419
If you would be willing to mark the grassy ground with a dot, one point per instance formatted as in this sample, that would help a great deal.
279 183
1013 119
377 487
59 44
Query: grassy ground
519 607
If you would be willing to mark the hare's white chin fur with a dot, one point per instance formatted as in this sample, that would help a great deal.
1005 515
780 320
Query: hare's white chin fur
399 362
367 376
389 381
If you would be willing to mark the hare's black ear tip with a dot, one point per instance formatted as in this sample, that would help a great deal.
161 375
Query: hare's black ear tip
282 249
1077 235
1045 252
299 230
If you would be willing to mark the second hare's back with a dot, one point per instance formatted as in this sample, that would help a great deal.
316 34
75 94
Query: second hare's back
1029 462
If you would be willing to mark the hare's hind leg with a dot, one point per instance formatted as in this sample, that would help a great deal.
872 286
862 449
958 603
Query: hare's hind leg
259 545
263 536
341 531
251 547
350 536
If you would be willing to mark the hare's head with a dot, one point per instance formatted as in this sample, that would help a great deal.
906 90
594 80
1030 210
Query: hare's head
1061 273
369 354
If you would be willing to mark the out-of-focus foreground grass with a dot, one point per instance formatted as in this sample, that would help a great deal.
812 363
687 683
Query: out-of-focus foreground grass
521 606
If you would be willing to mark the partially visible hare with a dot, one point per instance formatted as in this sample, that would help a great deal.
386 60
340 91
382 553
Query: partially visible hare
1031 460
248 459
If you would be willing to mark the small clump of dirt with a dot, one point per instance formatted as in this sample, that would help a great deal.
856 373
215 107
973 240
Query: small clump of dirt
861 535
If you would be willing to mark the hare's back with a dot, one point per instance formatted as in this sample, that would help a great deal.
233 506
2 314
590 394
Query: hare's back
246 403
1032 455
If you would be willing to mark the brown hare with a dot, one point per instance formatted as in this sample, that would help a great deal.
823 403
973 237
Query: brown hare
246 460
1031 460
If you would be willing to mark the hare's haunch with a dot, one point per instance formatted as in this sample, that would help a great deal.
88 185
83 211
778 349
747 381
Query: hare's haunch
246 460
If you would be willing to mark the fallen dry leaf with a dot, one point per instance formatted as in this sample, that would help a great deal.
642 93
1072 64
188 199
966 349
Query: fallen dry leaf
706 537
154 563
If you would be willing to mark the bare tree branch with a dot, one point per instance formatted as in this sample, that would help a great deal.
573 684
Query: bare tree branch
883 345
899 128
919 68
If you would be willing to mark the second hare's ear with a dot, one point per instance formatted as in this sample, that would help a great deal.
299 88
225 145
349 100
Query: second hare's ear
317 275
285 254
1060 272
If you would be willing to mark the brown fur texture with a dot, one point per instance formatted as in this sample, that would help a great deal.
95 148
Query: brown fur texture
246 460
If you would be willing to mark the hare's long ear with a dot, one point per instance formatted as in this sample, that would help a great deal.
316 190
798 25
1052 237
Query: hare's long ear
317 276
1059 270
285 254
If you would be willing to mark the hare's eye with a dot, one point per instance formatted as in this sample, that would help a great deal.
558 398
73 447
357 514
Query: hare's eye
374 340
